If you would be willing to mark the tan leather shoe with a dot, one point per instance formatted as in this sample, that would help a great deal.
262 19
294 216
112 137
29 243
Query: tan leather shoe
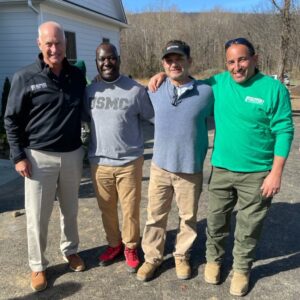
239 284
38 281
76 263
212 273
183 268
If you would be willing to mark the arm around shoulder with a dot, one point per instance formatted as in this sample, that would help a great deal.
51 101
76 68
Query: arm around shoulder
156 81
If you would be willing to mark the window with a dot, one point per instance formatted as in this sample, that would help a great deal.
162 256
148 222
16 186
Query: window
105 40
71 47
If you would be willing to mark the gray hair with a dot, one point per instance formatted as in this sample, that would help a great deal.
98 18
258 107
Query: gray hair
54 24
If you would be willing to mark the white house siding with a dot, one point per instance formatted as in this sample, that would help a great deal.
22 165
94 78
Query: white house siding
18 40
109 8
89 33
18 31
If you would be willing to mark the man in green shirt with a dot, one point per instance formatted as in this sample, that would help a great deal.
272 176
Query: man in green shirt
254 132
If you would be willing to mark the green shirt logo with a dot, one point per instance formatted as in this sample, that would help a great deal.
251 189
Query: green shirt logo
254 100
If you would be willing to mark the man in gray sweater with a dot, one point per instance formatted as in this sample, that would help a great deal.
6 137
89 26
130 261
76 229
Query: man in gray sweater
116 105
181 107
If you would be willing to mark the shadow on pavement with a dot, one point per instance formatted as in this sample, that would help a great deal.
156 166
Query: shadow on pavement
281 232
90 257
60 291
12 195
275 267
280 238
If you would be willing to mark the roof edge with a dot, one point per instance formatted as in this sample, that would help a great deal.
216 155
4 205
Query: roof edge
96 12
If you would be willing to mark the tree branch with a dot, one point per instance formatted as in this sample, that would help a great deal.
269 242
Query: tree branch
276 5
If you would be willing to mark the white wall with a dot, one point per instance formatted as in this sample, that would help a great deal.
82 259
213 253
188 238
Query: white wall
89 35
18 32
109 8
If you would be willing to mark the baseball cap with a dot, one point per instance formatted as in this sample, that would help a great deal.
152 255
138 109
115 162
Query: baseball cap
177 48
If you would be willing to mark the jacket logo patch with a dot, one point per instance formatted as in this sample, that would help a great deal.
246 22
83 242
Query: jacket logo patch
38 86
254 100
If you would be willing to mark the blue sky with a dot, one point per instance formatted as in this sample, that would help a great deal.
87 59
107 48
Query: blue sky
194 5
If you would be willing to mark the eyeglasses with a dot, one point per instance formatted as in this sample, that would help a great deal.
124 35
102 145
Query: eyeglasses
240 41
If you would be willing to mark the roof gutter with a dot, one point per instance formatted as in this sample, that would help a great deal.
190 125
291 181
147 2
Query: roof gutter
30 5
81 9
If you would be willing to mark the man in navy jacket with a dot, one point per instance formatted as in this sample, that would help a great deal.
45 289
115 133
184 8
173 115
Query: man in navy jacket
42 122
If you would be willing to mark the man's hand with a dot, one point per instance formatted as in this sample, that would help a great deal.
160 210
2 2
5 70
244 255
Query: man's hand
272 183
23 167
155 81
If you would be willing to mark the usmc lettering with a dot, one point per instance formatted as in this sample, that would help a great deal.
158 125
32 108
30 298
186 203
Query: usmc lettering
109 103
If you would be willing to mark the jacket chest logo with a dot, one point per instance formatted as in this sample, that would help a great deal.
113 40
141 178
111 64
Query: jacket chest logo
38 86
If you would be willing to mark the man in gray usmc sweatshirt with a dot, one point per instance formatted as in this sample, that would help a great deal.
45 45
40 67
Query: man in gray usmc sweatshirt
116 104
181 106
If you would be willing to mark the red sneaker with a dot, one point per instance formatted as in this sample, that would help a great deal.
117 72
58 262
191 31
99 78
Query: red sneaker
132 259
108 256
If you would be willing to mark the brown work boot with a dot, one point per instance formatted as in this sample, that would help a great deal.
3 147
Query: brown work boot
76 263
239 284
183 268
212 272
146 271
38 281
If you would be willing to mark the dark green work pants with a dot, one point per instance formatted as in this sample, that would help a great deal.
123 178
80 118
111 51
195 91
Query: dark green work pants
241 190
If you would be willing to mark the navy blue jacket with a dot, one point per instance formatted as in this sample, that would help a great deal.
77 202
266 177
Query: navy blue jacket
43 111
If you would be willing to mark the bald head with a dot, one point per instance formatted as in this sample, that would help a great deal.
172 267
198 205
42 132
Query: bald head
52 43
51 25
107 47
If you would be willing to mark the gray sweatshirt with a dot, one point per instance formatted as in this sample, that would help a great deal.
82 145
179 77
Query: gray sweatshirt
115 110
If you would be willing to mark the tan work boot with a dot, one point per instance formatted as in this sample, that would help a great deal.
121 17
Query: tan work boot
239 284
212 272
76 263
146 271
183 268
38 281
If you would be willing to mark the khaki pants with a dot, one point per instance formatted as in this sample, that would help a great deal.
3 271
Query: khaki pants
53 174
227 190
124 183
162 187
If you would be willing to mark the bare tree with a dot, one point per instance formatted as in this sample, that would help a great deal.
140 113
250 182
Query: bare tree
286 25
206 33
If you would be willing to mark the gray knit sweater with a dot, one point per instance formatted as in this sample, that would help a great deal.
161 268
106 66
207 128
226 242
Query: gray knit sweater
181 139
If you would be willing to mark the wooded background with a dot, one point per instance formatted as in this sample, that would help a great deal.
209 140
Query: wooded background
272 31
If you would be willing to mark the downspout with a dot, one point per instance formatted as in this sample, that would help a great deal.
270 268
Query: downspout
29 3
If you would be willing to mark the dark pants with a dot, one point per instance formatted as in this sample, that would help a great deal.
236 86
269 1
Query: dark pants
241 190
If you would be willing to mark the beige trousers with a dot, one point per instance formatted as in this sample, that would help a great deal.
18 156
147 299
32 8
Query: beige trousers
121 183
54 174
162 187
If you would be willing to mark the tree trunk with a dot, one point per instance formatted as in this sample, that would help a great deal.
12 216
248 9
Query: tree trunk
286 19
